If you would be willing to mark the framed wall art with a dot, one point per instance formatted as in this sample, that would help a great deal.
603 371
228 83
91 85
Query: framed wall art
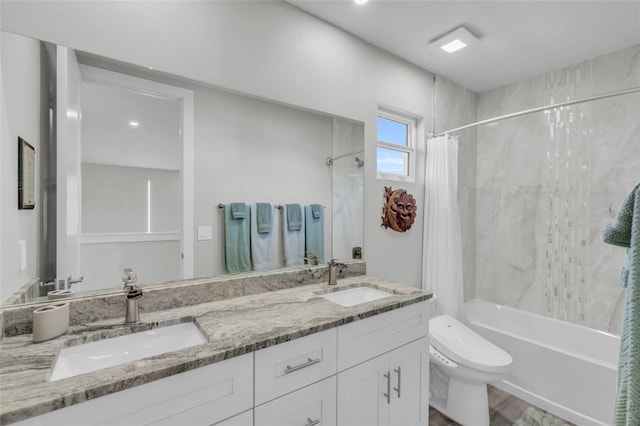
26 175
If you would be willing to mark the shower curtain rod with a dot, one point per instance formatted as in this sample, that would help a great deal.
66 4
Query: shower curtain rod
543 108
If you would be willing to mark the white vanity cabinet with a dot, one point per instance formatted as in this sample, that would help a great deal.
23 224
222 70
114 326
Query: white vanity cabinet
370 372
202 396
283 368
295 383
383 376
314 405
242 419
391 389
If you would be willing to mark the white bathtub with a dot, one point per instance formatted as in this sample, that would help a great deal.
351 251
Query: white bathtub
563 368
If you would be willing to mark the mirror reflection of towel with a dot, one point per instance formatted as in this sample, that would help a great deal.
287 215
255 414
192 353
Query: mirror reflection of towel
237 254
263 217
294 217
292 241
262 247
238 210
314 232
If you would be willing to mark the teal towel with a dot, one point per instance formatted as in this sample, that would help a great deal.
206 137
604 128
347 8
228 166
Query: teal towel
237 233
625 232
294 217
238 210
263 217
314 233
316 210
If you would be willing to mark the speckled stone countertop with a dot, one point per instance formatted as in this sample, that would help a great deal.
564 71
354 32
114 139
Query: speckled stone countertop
232 326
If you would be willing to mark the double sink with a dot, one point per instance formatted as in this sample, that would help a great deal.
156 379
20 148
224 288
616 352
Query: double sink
88 357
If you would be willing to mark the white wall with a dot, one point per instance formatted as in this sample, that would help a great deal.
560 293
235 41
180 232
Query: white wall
266 49
21 113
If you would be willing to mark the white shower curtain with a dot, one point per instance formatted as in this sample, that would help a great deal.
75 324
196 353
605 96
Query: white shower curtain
442 245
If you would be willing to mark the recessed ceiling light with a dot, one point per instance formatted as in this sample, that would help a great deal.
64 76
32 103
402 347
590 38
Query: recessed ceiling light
455 40
360 1
134 124
453 46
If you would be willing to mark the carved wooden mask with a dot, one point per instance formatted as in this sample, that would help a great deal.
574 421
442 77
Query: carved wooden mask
399 210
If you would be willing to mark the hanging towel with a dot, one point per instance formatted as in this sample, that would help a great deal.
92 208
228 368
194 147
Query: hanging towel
238 210
625 232
236 241
263 217
262 251
316 210
292 240
294 217
314 231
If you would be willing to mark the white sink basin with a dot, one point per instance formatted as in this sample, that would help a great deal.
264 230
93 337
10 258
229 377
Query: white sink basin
355 296
119 350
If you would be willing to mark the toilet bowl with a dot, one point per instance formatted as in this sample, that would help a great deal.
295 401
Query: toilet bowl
463 363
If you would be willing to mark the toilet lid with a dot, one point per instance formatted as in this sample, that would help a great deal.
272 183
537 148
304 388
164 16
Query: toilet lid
461 344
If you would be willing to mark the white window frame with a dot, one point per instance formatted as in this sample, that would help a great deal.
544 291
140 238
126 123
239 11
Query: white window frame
410 149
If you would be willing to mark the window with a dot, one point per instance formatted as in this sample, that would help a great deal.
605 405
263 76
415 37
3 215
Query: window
396 146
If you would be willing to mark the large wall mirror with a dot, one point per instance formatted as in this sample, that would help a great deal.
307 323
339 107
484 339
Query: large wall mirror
147 198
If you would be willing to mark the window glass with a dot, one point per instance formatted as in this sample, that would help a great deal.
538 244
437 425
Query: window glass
391 131
392 162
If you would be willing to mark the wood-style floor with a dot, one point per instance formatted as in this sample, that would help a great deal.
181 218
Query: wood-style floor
504 409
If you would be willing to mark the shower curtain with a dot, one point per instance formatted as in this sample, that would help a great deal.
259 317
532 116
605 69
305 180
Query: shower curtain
442 245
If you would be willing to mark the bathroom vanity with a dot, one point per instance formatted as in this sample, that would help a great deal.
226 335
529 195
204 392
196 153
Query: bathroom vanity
281 357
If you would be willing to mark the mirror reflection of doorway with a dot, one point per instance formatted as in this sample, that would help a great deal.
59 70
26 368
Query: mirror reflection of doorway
132 191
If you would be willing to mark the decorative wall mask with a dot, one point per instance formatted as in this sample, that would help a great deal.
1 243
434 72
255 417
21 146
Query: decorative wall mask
399 210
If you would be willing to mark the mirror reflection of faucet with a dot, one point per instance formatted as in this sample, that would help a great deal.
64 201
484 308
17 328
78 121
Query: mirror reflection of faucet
311 259
333 270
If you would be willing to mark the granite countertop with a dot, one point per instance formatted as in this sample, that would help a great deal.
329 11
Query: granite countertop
233 327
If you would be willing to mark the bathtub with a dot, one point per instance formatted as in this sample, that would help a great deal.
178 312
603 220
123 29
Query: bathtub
566 369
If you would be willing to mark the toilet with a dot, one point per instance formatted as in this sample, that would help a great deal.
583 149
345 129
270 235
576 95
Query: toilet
462 364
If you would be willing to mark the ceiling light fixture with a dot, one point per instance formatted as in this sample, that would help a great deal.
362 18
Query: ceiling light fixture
360 1
455 40
134 124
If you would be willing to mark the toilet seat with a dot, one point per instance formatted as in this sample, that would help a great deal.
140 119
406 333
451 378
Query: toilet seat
459 343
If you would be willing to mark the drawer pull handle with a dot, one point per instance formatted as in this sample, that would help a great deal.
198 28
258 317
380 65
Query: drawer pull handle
399 371
309 362
312 422
388 394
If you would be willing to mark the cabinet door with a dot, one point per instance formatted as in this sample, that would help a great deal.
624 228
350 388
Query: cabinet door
362 391
409 384
314 405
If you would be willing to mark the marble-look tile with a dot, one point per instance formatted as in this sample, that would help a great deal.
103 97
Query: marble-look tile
348 188
548 183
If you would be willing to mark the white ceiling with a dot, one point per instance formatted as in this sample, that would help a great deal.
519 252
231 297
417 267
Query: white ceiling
107 137
518 39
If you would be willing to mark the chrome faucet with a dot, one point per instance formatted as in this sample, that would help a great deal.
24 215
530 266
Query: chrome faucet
333 271
132 294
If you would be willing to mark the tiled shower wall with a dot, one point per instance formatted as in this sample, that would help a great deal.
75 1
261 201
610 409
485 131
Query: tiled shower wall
546 185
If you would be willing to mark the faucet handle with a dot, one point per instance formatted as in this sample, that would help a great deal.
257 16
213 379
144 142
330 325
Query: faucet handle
129 278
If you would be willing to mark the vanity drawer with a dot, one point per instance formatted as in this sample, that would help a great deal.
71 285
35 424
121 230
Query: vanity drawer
368 338
313 405
289 366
